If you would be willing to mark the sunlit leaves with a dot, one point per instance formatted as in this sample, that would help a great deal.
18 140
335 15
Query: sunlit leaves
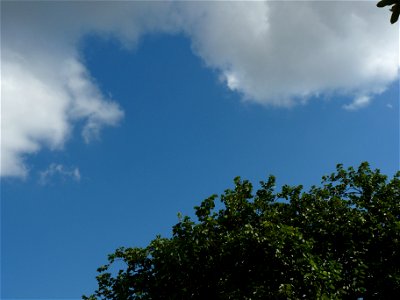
338 240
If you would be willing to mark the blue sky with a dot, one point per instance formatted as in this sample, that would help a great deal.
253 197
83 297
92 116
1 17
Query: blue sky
160 120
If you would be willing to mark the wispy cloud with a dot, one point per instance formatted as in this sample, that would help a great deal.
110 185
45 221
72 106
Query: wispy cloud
358 103
59 172
389 105
274 53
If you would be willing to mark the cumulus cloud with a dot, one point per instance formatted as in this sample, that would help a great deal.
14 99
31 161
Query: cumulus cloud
277 53
45 88
282 53
60 171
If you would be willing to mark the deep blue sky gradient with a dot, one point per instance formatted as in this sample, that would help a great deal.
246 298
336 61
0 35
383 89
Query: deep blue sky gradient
184 137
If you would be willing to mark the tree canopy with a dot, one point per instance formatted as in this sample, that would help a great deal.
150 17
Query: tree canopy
339 240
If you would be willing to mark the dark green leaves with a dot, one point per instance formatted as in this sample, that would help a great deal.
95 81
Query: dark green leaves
384 3
339 240
395 9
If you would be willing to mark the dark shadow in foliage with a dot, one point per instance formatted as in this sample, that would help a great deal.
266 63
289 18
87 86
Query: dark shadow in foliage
337 241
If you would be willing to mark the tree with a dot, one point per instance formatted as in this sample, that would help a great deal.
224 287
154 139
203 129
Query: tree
337 241
395 8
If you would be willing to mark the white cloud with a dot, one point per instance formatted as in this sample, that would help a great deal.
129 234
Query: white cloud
38 110
358 103
59 171
280 53
274 53
87 102
44 88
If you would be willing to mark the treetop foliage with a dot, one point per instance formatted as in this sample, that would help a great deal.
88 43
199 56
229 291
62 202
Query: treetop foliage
339 240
